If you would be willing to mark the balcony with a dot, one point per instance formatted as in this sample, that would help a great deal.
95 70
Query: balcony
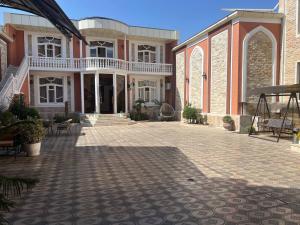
105 65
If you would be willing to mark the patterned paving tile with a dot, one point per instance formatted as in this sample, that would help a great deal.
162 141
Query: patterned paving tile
158 173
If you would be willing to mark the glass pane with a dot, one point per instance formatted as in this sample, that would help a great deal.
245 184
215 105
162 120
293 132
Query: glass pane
110 52
93 52
141 93
49 50
58 81
43 94
146 58
140 57
102 52
41 50
51 96
57 51
59 94
44 81
147 94
152 57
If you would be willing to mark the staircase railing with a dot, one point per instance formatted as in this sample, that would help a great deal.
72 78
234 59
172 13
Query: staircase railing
13 84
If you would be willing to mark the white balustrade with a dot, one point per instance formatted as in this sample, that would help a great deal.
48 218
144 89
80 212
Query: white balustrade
95 63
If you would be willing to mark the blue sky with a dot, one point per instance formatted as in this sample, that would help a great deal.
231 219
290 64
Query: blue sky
187 16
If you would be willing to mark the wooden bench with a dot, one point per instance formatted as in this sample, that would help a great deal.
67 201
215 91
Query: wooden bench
8 143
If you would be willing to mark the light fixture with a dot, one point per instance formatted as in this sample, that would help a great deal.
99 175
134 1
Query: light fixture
204 76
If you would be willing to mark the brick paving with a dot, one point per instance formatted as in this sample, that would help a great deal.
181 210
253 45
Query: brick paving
158 173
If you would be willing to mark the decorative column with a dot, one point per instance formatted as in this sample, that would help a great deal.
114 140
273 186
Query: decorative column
115 92
82 91
126 95
97 105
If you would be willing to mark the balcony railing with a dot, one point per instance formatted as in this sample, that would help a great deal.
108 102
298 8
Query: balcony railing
86 64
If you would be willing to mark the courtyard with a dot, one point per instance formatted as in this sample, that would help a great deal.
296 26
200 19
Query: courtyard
158 173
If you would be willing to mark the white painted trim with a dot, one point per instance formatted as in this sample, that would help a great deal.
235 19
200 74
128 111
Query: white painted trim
245 58
126 94
97 94
82 91
72 93
115 93
256 20
191 74
151 43
80 49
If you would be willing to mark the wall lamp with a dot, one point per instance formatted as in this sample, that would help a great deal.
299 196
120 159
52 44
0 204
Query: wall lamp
204 76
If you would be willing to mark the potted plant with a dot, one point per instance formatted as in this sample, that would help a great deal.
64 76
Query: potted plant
31 136
228 123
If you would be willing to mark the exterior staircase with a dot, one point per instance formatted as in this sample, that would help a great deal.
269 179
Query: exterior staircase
99 120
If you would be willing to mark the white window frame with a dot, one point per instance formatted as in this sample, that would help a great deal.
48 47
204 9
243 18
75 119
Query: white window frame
35 35
157 88
47 91
114 41
96 47
156 44
50 44
150 52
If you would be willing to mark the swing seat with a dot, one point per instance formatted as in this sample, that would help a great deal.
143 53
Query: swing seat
277 124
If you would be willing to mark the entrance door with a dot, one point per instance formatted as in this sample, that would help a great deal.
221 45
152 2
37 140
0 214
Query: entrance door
106 92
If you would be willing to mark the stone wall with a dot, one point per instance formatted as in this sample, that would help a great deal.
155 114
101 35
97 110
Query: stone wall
292 42
259 66
3 50
180 82
219 53
196 71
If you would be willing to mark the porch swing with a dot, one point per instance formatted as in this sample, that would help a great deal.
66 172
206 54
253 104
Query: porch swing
283 124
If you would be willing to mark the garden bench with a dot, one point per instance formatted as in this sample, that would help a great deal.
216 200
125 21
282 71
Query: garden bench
8 142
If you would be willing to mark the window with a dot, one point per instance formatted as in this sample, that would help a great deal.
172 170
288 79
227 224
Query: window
147 90
49 47
103 49
51 90
147 53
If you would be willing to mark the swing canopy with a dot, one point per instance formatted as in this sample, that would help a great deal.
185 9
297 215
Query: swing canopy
48 9
276 90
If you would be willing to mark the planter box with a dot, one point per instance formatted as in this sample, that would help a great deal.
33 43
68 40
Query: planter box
32 149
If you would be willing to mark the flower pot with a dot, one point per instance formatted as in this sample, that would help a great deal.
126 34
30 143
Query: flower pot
228 126
32 149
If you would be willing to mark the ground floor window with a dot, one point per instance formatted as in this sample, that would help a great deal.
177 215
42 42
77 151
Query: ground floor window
147 90
51 90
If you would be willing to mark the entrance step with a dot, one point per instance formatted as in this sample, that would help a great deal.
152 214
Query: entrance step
113 120
98 120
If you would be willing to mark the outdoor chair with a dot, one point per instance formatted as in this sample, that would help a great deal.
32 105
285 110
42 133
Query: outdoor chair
167 112
64 126
48 125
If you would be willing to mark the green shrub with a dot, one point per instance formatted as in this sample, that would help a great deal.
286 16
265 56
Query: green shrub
227 119
7 118
136 116
21 111
32 133
190 113
32 113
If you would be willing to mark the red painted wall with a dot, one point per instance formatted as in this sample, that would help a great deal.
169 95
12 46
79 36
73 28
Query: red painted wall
170 95
16 51
25 90
204 45
240 30
121 49
76 47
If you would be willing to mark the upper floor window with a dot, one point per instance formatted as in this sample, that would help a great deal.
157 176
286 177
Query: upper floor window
49 47
147 90
51 90
103 49
146 53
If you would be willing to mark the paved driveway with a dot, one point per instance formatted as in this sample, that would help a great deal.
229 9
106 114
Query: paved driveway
159 173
